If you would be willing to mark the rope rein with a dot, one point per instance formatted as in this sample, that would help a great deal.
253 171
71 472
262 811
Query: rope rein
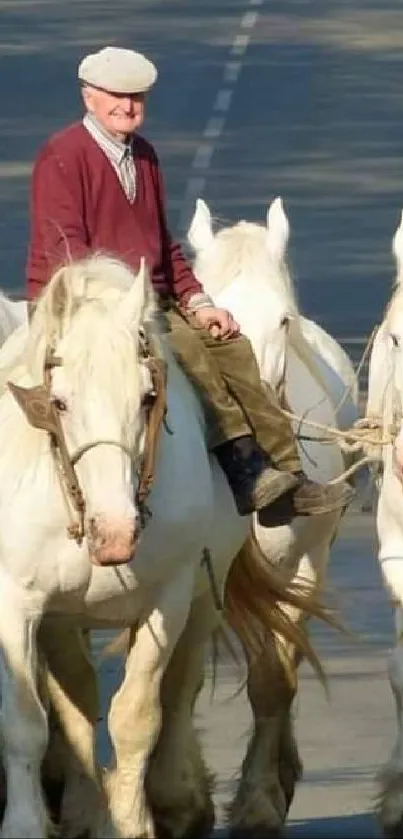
369 432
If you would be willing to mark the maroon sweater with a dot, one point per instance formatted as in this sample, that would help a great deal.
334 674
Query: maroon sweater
78 206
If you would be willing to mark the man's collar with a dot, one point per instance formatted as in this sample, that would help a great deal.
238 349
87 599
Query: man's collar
107 141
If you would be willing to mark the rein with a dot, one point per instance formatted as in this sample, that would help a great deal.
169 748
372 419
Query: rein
41 412
367 433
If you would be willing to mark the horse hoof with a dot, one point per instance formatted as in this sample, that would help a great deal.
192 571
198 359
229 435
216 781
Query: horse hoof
53 792
289 778
200 826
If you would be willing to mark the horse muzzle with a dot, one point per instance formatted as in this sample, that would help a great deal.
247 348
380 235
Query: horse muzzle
112 542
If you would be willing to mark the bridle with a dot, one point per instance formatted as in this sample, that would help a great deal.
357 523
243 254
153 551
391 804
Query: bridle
42 413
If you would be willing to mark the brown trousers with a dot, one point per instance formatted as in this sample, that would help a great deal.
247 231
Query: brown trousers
227 379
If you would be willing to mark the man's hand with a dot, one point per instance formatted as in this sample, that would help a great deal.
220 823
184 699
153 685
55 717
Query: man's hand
219 322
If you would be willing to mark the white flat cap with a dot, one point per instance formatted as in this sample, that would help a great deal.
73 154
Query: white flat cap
118 70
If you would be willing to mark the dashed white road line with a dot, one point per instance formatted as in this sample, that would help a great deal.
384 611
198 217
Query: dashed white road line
223 100
214 128
232 70
249 19
216 123
240 44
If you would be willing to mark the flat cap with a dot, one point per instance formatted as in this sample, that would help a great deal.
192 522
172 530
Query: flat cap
118 70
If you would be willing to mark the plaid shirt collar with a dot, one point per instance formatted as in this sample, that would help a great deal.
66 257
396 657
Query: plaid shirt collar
114 149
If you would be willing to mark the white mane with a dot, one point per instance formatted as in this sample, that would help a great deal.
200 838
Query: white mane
239 250
91 311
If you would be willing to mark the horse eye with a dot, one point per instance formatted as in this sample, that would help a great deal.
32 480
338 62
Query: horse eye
60 405
395 340
148 399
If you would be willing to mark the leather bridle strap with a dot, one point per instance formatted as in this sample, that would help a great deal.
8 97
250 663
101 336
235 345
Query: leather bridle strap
41 413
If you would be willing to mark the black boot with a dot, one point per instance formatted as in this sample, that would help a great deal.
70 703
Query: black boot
278 496
251 475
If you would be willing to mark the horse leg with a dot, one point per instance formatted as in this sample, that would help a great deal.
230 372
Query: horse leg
179 786
390 806
24 722
70 763
290 764
260 804
272 764
135 715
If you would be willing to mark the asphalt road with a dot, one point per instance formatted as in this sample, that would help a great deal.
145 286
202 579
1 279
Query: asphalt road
256 98
315 113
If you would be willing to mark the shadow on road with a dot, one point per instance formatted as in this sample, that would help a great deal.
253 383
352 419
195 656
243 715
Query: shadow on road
360 825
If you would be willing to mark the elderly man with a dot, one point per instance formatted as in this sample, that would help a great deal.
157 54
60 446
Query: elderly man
97 185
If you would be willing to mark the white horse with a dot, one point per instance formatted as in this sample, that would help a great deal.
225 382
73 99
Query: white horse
330 357
74 398
13 313
384 405
244 269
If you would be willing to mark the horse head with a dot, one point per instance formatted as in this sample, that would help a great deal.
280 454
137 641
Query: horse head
244 268
92 382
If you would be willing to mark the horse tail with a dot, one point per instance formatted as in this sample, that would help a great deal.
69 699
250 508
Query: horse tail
256 595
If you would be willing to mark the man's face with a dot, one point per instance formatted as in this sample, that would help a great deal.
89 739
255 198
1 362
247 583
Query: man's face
119 113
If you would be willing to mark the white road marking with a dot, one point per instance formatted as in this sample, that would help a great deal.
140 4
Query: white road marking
232 70
240 44
216 122
214 127
223 100
249 19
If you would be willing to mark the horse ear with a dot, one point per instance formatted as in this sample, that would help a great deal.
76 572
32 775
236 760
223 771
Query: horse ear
59 294
200 233
397 249
136 304
278 229
66 290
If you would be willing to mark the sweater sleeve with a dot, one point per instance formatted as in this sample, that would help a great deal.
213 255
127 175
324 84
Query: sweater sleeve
176 267
58 230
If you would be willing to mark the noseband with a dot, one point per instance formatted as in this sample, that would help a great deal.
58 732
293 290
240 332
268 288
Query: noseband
42 413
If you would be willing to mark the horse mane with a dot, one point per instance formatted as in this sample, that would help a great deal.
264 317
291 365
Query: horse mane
241 248
75 313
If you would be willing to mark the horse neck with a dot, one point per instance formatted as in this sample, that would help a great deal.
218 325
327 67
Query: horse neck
182 465
306 390
390 403
385 399
309 400
183 404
